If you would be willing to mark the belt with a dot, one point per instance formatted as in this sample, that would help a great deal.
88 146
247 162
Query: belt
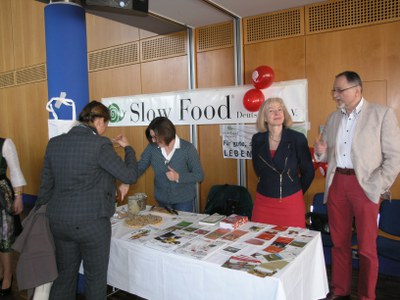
345 171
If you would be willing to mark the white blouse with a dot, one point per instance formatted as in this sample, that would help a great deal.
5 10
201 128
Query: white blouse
10 154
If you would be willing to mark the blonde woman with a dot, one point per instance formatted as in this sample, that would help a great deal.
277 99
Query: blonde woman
282 161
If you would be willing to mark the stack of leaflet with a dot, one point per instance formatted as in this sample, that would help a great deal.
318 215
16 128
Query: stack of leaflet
233 221
212 219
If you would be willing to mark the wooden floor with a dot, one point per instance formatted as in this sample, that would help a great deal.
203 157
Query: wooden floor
388 287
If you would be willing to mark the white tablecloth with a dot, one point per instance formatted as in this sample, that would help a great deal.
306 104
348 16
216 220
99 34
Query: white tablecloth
158 275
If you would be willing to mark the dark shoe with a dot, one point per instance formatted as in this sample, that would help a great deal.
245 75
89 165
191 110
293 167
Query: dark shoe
332 296
4 292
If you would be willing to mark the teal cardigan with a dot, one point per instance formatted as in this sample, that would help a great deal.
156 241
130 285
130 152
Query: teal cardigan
185 161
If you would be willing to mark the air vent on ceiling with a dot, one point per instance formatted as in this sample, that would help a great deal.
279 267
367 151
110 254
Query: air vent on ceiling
162 47
214 37
341 14
31 74
278 25
121 55
7 79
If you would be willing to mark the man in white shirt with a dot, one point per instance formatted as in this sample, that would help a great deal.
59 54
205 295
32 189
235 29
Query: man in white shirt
361 143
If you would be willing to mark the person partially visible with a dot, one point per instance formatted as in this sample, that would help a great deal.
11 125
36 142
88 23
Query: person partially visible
361 143
13 189
176 165
78 184
282 162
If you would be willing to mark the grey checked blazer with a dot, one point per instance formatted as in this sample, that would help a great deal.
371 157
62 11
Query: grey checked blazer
78 176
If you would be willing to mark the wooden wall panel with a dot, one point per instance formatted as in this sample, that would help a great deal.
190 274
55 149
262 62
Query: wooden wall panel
287 58
372 52
165 75
28 33
6 37
4 115
214 69
217 169
24 120
121 81
103 33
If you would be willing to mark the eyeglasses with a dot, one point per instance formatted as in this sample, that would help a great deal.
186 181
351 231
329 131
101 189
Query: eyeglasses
339 91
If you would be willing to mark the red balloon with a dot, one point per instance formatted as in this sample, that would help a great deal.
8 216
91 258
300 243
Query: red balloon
262 77
253 99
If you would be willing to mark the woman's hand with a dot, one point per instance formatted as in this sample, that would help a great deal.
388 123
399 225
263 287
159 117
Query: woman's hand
120 140
172 174
18 205
123 189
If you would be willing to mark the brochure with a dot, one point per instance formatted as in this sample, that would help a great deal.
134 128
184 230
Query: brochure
241 262
170 240
211 219
199 248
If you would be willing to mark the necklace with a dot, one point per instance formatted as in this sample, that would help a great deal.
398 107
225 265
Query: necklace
272 139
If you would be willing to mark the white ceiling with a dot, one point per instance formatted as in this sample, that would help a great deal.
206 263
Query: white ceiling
198 13
168 16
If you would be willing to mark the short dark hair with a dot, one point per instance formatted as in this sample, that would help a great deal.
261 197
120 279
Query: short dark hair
163 128
352 77
94 110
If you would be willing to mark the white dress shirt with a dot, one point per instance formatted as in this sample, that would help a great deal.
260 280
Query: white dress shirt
345 137
11 156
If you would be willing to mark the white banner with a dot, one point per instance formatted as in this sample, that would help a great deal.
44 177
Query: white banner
236 140
204 106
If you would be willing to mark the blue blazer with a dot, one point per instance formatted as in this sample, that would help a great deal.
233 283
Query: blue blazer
289 171
79 173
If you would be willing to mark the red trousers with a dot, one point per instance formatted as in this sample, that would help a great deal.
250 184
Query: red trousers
346 200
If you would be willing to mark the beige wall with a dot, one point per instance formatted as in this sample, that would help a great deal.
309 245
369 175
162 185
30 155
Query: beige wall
371 49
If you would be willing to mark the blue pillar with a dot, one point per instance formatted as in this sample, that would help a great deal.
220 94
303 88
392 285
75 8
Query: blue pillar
66 55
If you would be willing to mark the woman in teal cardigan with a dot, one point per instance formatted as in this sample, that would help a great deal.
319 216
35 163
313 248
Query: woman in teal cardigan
176 165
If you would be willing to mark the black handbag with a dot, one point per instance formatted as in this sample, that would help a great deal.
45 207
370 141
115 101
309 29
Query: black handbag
319 222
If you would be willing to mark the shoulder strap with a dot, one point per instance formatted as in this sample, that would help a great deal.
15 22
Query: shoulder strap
3 163
1 148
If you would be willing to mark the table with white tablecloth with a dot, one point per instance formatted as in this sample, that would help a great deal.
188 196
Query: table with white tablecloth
154 274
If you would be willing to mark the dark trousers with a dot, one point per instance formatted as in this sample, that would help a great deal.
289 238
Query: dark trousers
88 242
346 200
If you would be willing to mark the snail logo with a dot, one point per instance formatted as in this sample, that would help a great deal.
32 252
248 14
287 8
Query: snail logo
116 113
